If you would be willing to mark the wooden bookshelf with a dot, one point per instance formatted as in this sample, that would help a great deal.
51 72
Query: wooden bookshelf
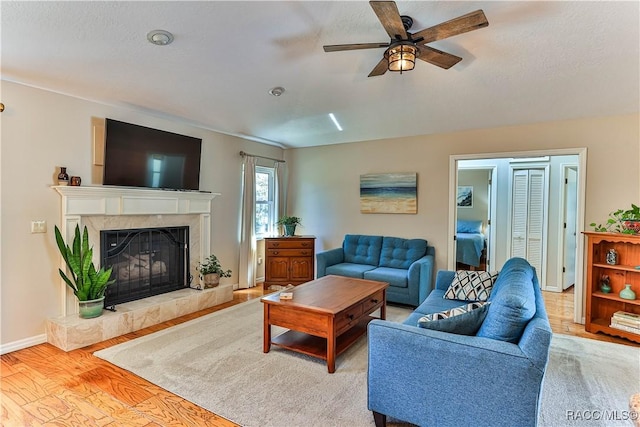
600 305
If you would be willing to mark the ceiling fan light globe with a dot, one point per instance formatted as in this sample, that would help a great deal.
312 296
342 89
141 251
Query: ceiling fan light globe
401 57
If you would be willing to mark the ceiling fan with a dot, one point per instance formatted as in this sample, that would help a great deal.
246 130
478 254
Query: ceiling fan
404 47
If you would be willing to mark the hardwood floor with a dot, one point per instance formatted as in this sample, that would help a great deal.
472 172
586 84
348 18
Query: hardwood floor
44 386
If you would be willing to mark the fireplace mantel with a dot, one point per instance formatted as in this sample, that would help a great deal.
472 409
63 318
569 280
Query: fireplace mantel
153 205
111 200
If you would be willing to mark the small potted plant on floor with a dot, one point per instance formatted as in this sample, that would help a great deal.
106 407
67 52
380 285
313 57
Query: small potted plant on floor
289 223
621 221
211 271
88 284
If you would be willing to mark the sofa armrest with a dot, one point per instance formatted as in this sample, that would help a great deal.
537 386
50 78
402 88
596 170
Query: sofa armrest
328 258
421 277
429 377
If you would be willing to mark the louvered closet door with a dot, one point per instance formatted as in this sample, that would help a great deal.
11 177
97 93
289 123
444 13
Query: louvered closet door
527 218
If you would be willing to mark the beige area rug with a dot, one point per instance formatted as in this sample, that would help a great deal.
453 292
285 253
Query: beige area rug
217 362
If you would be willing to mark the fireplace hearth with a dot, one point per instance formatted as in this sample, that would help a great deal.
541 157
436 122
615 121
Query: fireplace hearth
145 262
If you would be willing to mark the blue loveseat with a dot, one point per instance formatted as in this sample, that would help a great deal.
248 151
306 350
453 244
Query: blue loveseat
406 264
492 378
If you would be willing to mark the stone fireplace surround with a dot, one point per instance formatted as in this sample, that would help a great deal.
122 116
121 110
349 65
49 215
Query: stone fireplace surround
108 207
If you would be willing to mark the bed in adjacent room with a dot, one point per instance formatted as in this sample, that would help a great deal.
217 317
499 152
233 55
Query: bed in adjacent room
470 242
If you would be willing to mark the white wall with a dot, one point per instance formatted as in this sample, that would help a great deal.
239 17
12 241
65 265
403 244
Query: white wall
43 130
329 202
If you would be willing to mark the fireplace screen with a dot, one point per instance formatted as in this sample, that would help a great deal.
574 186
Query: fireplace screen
145 262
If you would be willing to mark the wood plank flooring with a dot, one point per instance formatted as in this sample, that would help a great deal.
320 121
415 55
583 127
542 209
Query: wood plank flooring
45 386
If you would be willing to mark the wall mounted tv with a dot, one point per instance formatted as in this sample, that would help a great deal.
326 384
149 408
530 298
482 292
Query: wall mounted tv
138 156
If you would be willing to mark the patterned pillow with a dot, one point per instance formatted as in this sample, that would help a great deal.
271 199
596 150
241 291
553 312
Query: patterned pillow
463 320
471 285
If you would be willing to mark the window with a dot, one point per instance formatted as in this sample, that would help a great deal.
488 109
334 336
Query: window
265 209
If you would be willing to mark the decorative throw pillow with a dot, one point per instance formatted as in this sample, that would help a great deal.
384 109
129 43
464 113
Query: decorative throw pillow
471 285
464 320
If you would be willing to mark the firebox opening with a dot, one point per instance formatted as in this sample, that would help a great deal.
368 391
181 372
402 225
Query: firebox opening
145 262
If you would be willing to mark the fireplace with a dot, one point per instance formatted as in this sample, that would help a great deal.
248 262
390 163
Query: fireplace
117 208
145 262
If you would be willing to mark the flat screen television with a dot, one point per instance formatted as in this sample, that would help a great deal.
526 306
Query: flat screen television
138 156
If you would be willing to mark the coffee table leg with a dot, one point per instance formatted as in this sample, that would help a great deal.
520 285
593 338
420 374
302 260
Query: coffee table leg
383 308
331 351
266 341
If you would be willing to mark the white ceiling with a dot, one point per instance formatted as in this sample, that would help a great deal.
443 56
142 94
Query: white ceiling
536 61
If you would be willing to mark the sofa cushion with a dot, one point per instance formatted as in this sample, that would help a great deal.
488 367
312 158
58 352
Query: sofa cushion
349 270
471 285
463 320
513 303
359 249
436 302
394 276
401 253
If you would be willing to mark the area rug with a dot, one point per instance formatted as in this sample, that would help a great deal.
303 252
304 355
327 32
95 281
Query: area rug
217 362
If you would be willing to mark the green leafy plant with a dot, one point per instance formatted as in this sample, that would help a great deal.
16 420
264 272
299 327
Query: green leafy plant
211 265
87 282
289 220
620 221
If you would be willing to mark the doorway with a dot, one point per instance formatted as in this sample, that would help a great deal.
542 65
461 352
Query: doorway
558 251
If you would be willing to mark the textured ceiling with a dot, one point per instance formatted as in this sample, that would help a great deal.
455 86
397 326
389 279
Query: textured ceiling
536 61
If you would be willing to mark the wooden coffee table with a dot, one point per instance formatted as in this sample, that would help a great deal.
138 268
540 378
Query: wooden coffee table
325 316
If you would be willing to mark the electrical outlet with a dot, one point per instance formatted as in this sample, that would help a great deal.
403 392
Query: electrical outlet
39 226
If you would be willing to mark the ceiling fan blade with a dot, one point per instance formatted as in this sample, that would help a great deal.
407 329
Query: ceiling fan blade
380 68
437 57
389 17
462 24
354 46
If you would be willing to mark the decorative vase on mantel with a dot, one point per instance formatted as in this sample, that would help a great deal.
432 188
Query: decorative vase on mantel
63 176
627 292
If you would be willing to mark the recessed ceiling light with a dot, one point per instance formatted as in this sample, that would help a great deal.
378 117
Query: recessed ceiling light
160 37
276 91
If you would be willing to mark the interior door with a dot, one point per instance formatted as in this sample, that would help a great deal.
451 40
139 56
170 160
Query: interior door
570 227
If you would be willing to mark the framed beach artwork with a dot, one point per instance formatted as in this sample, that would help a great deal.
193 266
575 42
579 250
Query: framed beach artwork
465 196
395 193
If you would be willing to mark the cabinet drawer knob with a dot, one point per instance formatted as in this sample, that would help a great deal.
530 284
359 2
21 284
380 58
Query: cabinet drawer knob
375 301
276 252
350 316
304 252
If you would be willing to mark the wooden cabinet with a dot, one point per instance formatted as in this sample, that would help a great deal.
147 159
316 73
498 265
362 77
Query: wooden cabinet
600 305
289 260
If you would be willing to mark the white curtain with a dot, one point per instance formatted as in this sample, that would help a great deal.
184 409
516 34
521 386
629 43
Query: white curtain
280 196
247 273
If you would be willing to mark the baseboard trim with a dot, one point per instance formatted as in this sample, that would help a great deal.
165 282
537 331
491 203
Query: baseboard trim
22 344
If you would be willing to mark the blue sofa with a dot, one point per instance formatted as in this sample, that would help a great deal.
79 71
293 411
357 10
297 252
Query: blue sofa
406 264
493 378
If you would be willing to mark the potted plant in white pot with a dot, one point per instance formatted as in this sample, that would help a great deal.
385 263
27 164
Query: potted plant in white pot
289 223
211 271
88 284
